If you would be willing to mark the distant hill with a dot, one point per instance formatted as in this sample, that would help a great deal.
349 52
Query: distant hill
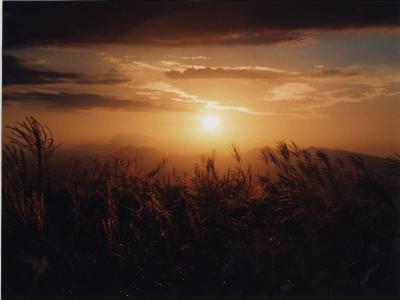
115 143
375 163
85 150
148 157
133 139
145 157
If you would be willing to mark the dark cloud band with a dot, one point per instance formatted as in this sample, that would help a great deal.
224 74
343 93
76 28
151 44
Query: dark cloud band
16 71
82 23
260 73
64 101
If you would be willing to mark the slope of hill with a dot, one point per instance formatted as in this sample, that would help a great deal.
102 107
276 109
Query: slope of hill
148 157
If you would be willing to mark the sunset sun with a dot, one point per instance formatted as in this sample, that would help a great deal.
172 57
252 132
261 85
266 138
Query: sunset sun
210 122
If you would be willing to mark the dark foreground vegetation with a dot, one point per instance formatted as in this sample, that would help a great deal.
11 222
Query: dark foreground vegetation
307 228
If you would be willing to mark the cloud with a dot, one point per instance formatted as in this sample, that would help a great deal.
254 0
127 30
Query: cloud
255 72
15 72
198 57
110 77
237 108
316 102
259 72
18 71
291 91
183 23
181 96
323 72
63 101
176 93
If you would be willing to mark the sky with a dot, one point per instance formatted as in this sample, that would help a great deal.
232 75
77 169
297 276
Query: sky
319 74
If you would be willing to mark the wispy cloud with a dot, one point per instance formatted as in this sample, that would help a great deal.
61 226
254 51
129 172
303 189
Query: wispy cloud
182 96
198 57
324 72
291 91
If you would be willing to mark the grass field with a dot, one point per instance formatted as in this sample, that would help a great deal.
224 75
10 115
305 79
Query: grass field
308 227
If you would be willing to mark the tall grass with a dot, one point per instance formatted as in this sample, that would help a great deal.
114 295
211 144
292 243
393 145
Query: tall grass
305 227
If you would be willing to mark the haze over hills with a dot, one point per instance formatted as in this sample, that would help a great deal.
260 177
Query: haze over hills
143 150
115 143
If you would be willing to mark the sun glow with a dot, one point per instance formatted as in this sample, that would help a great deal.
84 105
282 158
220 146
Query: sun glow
210 122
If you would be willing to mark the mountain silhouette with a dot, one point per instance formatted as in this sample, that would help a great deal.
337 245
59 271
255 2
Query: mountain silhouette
147 157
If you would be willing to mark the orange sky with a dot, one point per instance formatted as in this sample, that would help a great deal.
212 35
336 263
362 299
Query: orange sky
335 88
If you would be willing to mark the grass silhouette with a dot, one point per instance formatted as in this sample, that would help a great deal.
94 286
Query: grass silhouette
307 227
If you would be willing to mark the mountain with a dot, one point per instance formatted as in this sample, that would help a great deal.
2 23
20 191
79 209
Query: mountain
133 139
375 163
86 150
372 162
115 143
147 157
